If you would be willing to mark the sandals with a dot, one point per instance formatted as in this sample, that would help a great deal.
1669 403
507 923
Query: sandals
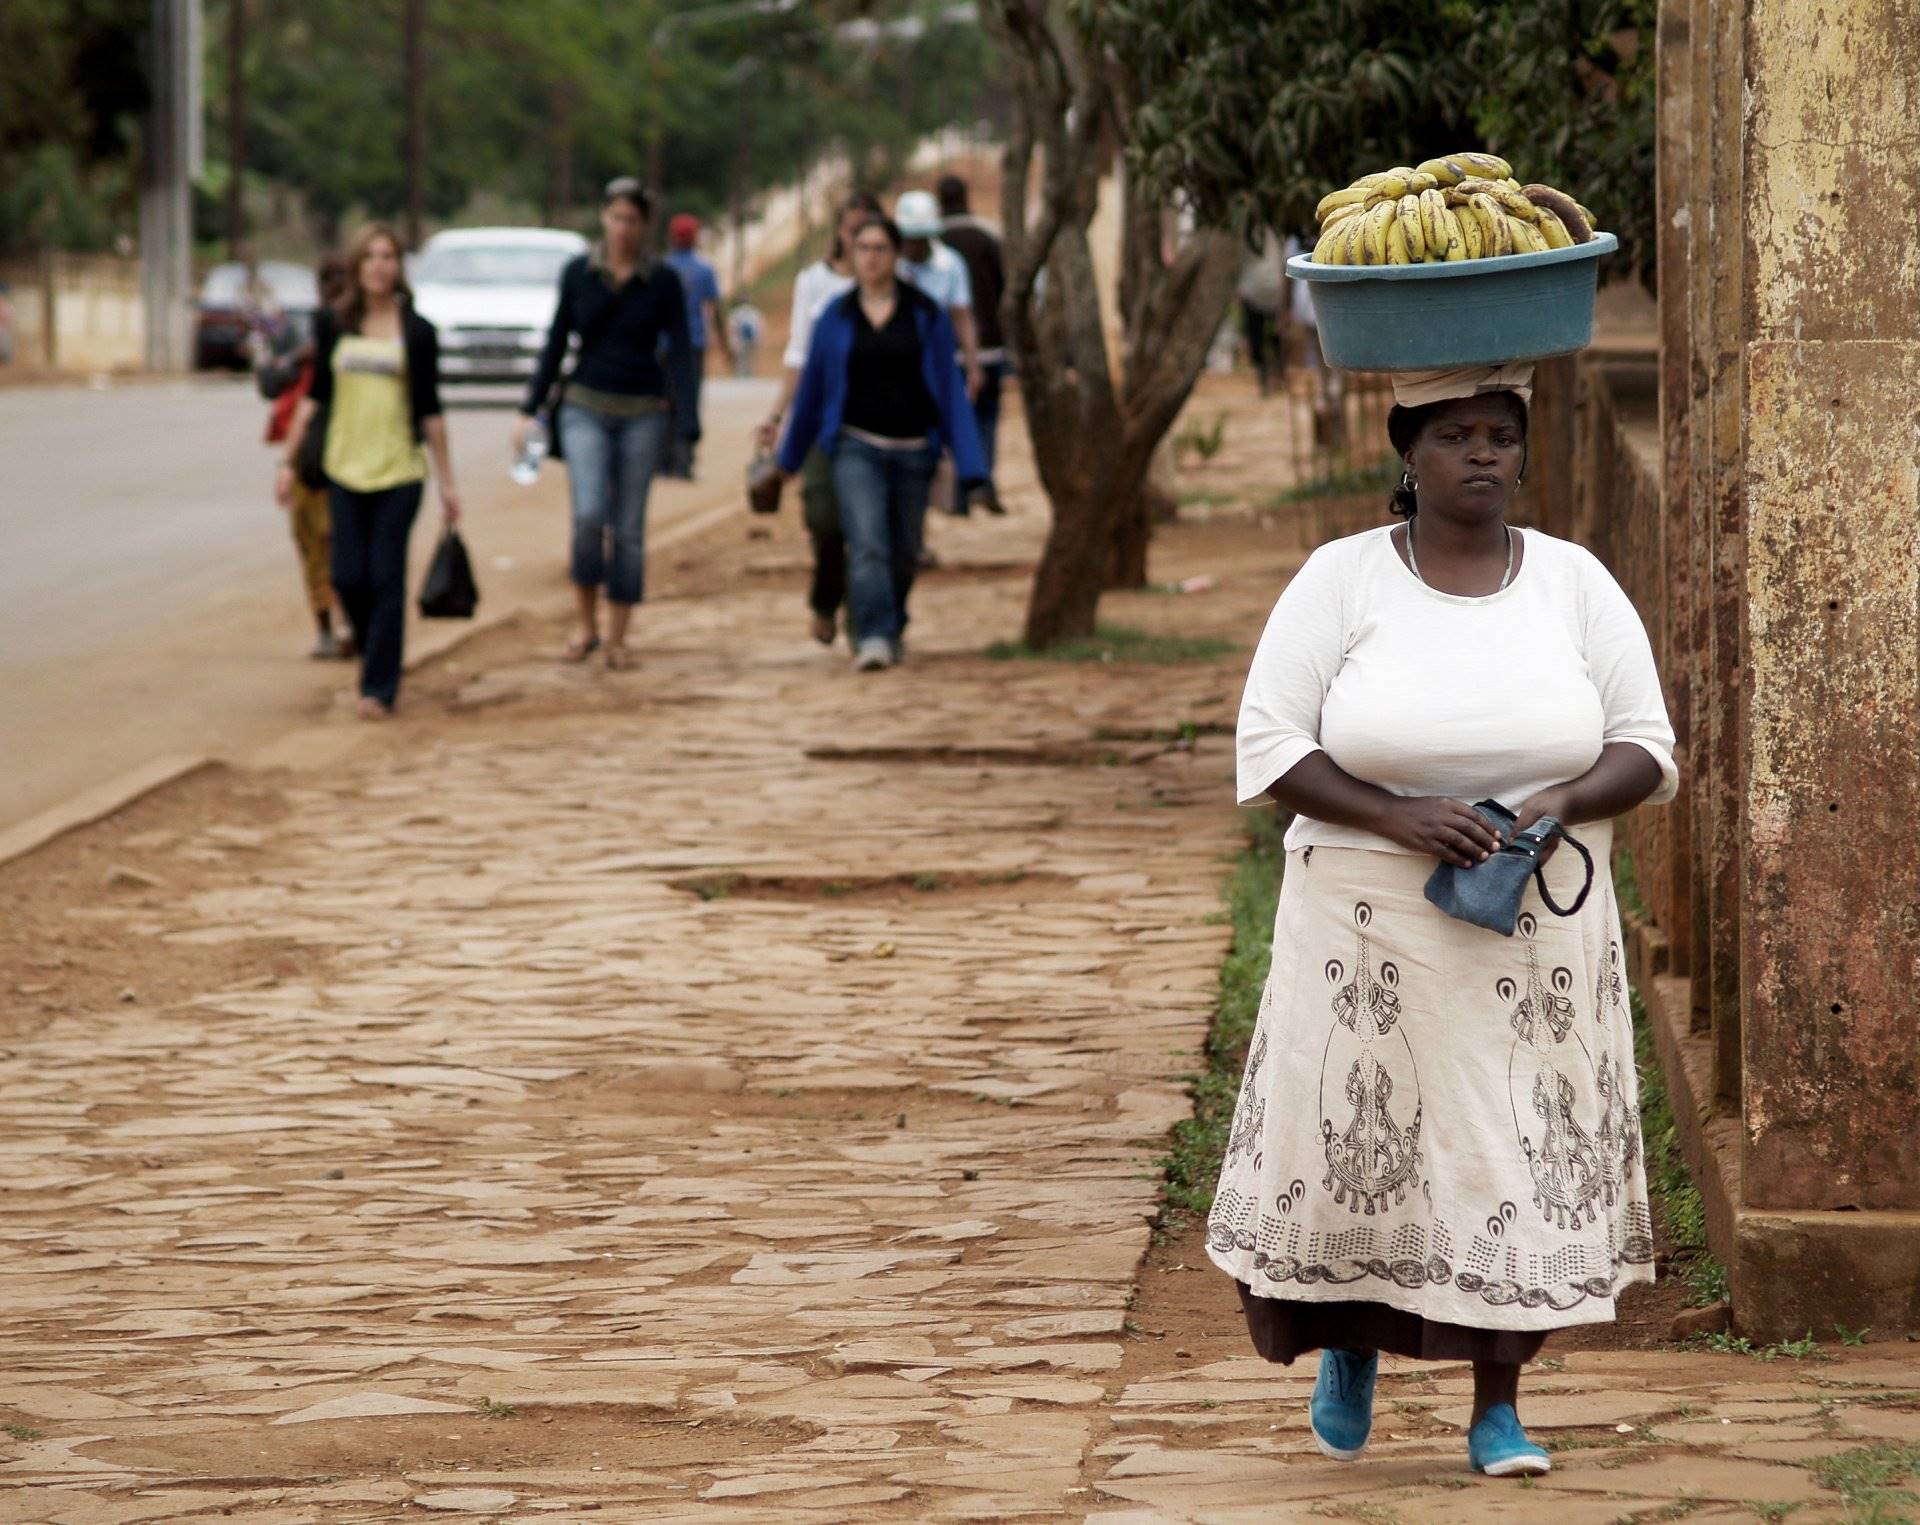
619 658
579 650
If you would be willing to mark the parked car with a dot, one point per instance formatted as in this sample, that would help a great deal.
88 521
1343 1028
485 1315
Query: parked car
231 308
491 293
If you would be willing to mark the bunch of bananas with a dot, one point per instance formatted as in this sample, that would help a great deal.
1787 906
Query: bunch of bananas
1462 206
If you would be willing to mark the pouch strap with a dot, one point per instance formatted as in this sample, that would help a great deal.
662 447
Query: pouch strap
1543 829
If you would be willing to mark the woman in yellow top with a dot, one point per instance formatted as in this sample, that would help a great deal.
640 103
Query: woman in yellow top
377 375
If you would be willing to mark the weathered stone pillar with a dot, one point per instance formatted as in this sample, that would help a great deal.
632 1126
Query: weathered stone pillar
1831 416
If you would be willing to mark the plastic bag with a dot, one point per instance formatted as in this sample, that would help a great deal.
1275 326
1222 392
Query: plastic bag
763 485
449 592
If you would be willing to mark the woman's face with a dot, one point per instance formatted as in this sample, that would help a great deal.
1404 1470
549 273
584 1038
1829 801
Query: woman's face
624 225
873 257
380 268
1467 460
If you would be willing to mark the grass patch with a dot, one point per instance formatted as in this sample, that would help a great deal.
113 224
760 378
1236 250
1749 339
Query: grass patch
1202 440
1866 1478
21 1431
1204 497
489 1409
926 882
1626 885
1252 893
1377 477
1117 643
1806 1348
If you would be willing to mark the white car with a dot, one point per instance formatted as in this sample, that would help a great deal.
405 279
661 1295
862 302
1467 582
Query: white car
491 293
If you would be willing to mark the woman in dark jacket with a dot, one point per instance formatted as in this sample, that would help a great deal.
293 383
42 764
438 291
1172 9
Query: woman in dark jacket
619 407
882 394
377 376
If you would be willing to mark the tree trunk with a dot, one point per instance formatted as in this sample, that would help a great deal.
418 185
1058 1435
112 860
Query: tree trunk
414 46
236 128
1132 533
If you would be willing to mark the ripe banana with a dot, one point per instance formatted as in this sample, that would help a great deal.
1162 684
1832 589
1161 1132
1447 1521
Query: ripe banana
1470 234
1455 247
1323 251
1340 214
1348 197
1394 182
1491 165
1432 206
1527 239
1373 233
1397 244
1516 205
1413 226
1493 224
1445 172
1563 207
1553 230
1420 181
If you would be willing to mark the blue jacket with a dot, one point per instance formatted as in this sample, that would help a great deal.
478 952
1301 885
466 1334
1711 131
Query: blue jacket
821 398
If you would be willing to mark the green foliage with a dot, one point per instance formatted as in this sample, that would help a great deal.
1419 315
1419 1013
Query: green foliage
1670 1184
1202 441
1573 104
1865 1478
1252 894
1253 111
1377 477
1806 1348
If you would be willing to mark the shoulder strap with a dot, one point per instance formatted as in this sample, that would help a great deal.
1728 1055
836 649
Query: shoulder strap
1540 876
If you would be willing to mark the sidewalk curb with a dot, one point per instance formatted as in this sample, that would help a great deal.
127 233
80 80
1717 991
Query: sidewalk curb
91 806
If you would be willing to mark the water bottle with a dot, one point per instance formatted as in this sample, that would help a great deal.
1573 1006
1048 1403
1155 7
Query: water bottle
526 464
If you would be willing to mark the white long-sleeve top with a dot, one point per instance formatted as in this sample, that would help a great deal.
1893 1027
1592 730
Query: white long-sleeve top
1422 692
814 287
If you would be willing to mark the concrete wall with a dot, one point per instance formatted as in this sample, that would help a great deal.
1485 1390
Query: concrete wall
98 322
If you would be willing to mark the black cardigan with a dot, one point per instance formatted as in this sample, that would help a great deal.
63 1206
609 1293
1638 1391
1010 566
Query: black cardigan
421 343
622 334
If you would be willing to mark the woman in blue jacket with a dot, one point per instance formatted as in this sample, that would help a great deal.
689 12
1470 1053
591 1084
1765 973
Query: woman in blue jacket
882 394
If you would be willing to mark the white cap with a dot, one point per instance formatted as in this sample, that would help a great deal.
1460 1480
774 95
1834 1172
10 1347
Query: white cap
917 214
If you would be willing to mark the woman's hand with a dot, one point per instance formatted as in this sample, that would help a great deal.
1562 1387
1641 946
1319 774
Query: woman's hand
767 435
283 485
521 423
449 504
1441 828
1553 801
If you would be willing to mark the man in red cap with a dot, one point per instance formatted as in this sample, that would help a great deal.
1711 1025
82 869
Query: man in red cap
702 287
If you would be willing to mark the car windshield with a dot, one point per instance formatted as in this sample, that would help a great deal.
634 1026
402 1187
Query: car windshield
491 265
279 285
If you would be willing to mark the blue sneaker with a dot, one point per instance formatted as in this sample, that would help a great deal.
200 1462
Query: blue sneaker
1342 1407
1498 1446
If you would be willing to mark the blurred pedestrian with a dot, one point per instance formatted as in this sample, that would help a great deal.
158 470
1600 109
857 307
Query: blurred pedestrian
979 248
745 324
813 288
882 394
623 398
942 275
285 376
376 379
702 289
1262 295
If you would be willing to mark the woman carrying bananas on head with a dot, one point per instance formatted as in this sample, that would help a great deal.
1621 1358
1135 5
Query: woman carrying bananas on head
1436 1151
1465 206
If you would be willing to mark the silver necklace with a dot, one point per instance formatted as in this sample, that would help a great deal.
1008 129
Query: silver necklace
1413 561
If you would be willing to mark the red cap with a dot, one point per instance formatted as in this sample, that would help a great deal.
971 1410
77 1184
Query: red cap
683 230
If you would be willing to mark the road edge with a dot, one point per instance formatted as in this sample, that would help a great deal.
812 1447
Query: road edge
91 806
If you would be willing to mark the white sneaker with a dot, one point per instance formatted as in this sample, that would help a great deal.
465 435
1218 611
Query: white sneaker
872 654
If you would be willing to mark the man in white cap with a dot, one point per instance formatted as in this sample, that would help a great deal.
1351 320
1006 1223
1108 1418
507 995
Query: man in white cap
940 273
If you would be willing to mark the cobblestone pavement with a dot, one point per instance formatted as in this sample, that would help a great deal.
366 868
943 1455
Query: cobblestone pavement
729 1090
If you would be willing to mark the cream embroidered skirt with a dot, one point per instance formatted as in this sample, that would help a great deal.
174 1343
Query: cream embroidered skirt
1435 1117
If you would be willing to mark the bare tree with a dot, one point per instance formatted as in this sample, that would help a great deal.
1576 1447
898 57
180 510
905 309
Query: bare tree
1094 425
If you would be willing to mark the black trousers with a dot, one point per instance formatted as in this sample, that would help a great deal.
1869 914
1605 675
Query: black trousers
370 531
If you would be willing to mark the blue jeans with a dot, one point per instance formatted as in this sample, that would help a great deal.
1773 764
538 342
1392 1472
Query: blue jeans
986 418
369 566
610 467
883 511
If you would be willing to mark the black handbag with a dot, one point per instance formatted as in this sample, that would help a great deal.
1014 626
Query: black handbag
449 592
1489 893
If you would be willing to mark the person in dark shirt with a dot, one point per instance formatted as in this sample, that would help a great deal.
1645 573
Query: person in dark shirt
883 394
977 244
626 393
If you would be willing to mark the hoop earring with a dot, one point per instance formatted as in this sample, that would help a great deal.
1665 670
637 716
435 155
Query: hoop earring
1407 483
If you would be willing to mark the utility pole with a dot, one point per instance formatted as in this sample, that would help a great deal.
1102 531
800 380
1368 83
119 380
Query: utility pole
172 158
236 126
414 44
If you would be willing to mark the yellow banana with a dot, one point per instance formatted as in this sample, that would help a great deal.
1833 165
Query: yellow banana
1347 251
1477 185
1491 165
1433 204
1340 214
1333 199
1563 207
1592 222
1373 233
1553 230
1493 225
1394 182
1420 181
1527 239
1455 245
1413 229
1445 172
1516 205
1397 252
1470 234
1322 251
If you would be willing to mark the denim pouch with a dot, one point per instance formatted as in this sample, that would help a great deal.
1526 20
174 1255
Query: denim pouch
1489 893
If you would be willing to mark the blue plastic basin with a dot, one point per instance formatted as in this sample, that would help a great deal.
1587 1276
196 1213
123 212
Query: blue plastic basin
1470 312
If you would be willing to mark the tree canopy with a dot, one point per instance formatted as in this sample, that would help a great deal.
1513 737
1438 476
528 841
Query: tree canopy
1252 111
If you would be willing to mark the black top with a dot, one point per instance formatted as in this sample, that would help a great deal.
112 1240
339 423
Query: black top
973 242
421 344
886 377
620 329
